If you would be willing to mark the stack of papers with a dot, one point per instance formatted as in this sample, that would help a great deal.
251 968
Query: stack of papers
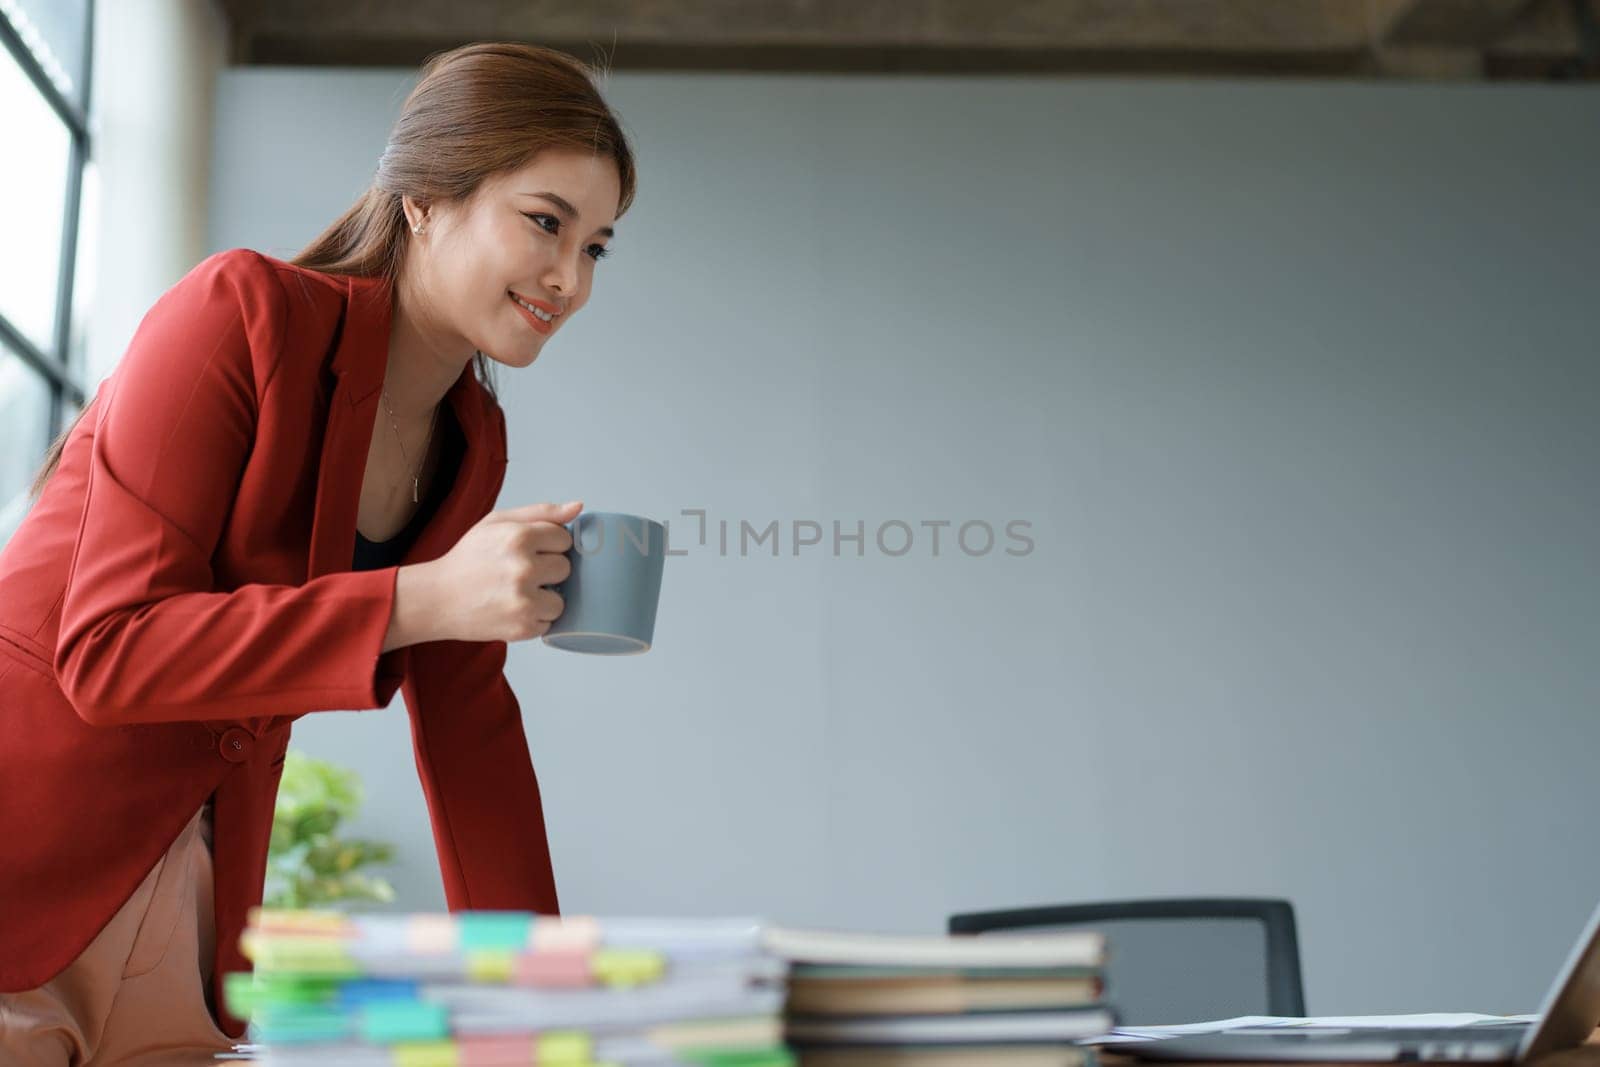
495 989
860 999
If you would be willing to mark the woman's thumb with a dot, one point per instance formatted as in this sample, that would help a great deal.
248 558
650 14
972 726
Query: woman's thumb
542 512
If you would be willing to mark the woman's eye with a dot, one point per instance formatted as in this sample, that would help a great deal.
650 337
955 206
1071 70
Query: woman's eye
598 252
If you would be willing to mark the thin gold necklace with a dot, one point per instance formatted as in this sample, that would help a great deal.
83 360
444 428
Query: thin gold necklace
416 478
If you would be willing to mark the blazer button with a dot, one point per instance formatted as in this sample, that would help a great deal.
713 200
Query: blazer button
236 745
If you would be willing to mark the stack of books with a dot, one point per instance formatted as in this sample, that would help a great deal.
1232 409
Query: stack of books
863 1000
493 989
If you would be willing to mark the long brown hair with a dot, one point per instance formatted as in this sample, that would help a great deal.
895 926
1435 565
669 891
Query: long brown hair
477 110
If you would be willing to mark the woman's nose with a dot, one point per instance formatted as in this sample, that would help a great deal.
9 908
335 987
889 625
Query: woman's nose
562 275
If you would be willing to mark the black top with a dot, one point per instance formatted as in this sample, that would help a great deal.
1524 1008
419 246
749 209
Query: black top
372 555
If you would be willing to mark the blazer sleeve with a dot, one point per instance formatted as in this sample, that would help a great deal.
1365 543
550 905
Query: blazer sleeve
145 636
478 779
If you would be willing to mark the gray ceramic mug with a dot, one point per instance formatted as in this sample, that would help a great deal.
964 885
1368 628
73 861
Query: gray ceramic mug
615 584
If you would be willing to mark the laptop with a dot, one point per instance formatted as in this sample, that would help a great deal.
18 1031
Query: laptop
1568 1016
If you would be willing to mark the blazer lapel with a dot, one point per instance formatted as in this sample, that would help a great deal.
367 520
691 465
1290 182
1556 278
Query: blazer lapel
359 362
358 365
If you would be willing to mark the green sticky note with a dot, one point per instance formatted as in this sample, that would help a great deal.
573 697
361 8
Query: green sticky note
239 993
502 930
292 1023
297 989
776 1056
244 992
383 1022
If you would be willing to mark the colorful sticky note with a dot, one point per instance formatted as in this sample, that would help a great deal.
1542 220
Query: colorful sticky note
300 955
495 1050
431 934
563 1047
559 933
298 1023
425 1054
777 1056
627 967
299 921
490 966
565 969
367 990
506 930
384 1022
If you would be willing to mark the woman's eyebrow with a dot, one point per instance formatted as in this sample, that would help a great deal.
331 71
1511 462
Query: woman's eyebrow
569 212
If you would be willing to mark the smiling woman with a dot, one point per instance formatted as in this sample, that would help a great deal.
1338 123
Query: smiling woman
196 573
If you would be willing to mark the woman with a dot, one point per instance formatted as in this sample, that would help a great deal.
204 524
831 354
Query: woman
279 503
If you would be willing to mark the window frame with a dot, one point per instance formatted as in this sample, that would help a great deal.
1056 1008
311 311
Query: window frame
65 382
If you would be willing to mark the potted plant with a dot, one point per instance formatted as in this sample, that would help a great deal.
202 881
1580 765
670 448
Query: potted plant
308 863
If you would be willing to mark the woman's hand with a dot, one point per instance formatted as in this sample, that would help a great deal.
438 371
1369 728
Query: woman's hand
490 586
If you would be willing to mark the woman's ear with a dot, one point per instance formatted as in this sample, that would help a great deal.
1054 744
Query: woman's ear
417 213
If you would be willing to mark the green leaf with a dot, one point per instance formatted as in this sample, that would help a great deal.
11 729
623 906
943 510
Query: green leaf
308 864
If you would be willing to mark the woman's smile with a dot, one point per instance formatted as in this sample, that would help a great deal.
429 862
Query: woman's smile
530 315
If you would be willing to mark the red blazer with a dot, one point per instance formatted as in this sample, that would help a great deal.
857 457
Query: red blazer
181 592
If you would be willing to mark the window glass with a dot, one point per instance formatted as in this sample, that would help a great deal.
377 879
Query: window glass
84 274
53 30
33 186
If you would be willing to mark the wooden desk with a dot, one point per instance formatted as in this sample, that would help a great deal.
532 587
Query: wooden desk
1587 1056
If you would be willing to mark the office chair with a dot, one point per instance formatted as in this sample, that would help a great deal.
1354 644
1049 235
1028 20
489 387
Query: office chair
1178 960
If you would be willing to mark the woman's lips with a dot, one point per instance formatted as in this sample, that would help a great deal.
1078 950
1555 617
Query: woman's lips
533 320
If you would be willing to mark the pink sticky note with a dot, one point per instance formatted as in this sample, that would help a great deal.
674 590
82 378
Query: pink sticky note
566 933
495 1050
563 968
431 934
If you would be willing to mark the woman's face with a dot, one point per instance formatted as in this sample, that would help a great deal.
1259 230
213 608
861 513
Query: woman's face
532 234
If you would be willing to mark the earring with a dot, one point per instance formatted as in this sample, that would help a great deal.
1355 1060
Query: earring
417 228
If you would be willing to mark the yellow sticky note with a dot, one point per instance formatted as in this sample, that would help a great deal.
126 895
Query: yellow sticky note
626 967
487 966
299 920
563 1047
425 1054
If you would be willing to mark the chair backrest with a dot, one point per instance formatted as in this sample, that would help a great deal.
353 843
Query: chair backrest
1178 960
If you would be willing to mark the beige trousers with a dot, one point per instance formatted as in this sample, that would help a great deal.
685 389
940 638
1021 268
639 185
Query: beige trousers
139 995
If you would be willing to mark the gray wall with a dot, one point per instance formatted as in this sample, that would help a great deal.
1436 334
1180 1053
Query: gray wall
1296 386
